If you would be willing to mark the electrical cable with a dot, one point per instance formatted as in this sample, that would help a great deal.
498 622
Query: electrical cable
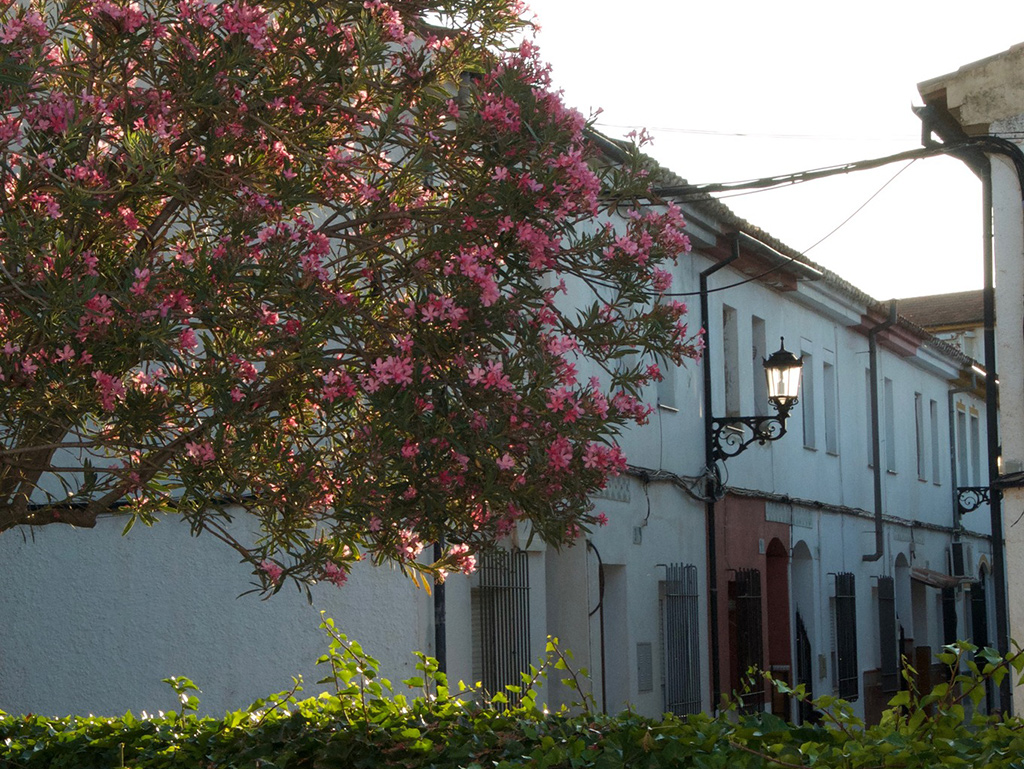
861 208
703 191
748 134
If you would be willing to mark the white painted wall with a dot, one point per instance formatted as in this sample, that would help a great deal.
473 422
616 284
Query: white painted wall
90 621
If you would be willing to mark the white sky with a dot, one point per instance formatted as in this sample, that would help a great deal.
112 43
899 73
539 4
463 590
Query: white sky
809 84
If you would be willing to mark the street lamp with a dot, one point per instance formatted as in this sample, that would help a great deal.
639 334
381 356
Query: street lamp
731 436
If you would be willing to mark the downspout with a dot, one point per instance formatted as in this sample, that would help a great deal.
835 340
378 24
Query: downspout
876 440
713 484
440 615
599 610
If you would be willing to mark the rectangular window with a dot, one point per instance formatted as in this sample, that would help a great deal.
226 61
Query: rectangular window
919 429
501 607
807 397
847 674
975 450
887 635
890 426
731 360
681 624
949 631
933 408
979 614
666 388
963 477
830 402
760 350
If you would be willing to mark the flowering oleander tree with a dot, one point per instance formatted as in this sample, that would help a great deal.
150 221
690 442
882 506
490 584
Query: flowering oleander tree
303 262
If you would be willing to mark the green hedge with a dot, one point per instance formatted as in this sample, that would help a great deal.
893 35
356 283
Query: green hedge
365 724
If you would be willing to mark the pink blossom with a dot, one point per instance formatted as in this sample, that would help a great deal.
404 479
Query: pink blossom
334 574
187 340
272 570
559 453
462 559
110 389
200 453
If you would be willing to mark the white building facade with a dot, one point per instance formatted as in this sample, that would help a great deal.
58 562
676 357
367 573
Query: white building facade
828 565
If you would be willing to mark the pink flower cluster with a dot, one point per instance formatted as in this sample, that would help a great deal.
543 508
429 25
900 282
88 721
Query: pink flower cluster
391 370
335 574
200 453
272 570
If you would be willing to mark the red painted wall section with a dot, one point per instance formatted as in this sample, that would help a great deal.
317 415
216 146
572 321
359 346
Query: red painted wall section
740 530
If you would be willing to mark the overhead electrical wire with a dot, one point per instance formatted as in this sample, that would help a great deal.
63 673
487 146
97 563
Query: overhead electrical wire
692 192
695 192
859 209
749 134
791 259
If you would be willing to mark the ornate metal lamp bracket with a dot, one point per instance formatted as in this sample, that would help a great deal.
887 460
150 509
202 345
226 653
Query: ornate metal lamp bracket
730 436
970 498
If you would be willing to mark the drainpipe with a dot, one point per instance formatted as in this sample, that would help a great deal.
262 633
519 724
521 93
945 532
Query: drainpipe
712 485
599 610
876 440
440 615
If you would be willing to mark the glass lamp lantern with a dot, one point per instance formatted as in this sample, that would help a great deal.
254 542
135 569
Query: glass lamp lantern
782 371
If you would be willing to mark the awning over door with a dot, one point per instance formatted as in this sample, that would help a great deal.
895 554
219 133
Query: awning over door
933 578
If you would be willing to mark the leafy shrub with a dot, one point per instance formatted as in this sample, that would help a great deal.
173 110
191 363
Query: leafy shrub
365 723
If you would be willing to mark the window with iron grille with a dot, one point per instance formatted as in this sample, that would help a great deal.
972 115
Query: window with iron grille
501 620
681 636
979 614
887 635
846 637
746 594
949 631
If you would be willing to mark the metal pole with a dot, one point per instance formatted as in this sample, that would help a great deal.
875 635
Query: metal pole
712 484
992 428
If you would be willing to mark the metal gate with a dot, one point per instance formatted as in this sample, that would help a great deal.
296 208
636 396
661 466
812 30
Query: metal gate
749 638
504 605
847 672
804 673
890 658
979 629
681 627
